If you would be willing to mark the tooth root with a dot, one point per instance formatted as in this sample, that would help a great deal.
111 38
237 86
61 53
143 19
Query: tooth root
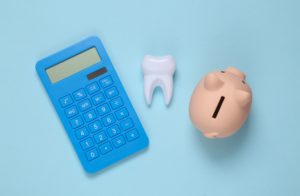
164 82
158 72
148 88
167 83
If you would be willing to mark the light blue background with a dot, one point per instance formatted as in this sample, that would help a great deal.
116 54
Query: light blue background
262 38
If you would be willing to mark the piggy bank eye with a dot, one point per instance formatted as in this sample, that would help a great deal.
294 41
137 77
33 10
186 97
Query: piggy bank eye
243 82
222 71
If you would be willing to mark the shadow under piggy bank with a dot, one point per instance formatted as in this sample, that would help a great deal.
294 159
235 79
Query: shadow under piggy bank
219 149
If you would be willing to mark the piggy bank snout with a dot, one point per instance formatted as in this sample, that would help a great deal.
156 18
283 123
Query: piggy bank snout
236 72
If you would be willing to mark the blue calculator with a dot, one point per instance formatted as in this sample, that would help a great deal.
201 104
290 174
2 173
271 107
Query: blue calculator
92 104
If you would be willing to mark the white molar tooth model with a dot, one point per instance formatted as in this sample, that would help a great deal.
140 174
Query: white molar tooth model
158 72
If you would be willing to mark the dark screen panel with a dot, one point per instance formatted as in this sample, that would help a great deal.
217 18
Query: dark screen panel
97 73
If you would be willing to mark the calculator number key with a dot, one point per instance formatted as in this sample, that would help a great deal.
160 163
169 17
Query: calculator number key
119 141
89 116
79 94
76 122
100 137
92 154
81 133
84 105
103 109
132 135
92 88
70 112
108 120
116 103
113 131
105 82
65 101
95 126
112 92
86 144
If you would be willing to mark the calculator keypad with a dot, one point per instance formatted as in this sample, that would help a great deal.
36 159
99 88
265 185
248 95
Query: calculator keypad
105 148
84 105
118 142
92 154
92 88
103 109
100 137
81 133
112 92
89 116
95 126
79 94
86 144
97 99
105 82
65 101
116 103
100 121
108 120
76 122
71 111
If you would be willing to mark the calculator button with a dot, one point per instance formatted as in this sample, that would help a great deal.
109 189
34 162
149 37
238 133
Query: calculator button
119 141
79 94
100 137
122 113
105 148
116 103
76 122
92 88
70 112
89 116
132 135
86 144
126 124
81 133
65 101
112 92
103 109
105 82
95 126
97 99
92 154
113 131
84 105
108 120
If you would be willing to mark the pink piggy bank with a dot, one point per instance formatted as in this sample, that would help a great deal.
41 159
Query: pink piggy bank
220 103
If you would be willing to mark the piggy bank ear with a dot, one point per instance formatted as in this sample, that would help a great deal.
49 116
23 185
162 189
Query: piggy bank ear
244 98
212 82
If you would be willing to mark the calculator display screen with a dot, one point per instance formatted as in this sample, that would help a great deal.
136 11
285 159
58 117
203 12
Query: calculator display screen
73 65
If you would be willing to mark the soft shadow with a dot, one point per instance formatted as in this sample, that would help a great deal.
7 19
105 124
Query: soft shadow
111 167
220 149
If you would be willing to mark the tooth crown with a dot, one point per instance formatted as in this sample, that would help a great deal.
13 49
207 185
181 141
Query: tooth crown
159 65
158 72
